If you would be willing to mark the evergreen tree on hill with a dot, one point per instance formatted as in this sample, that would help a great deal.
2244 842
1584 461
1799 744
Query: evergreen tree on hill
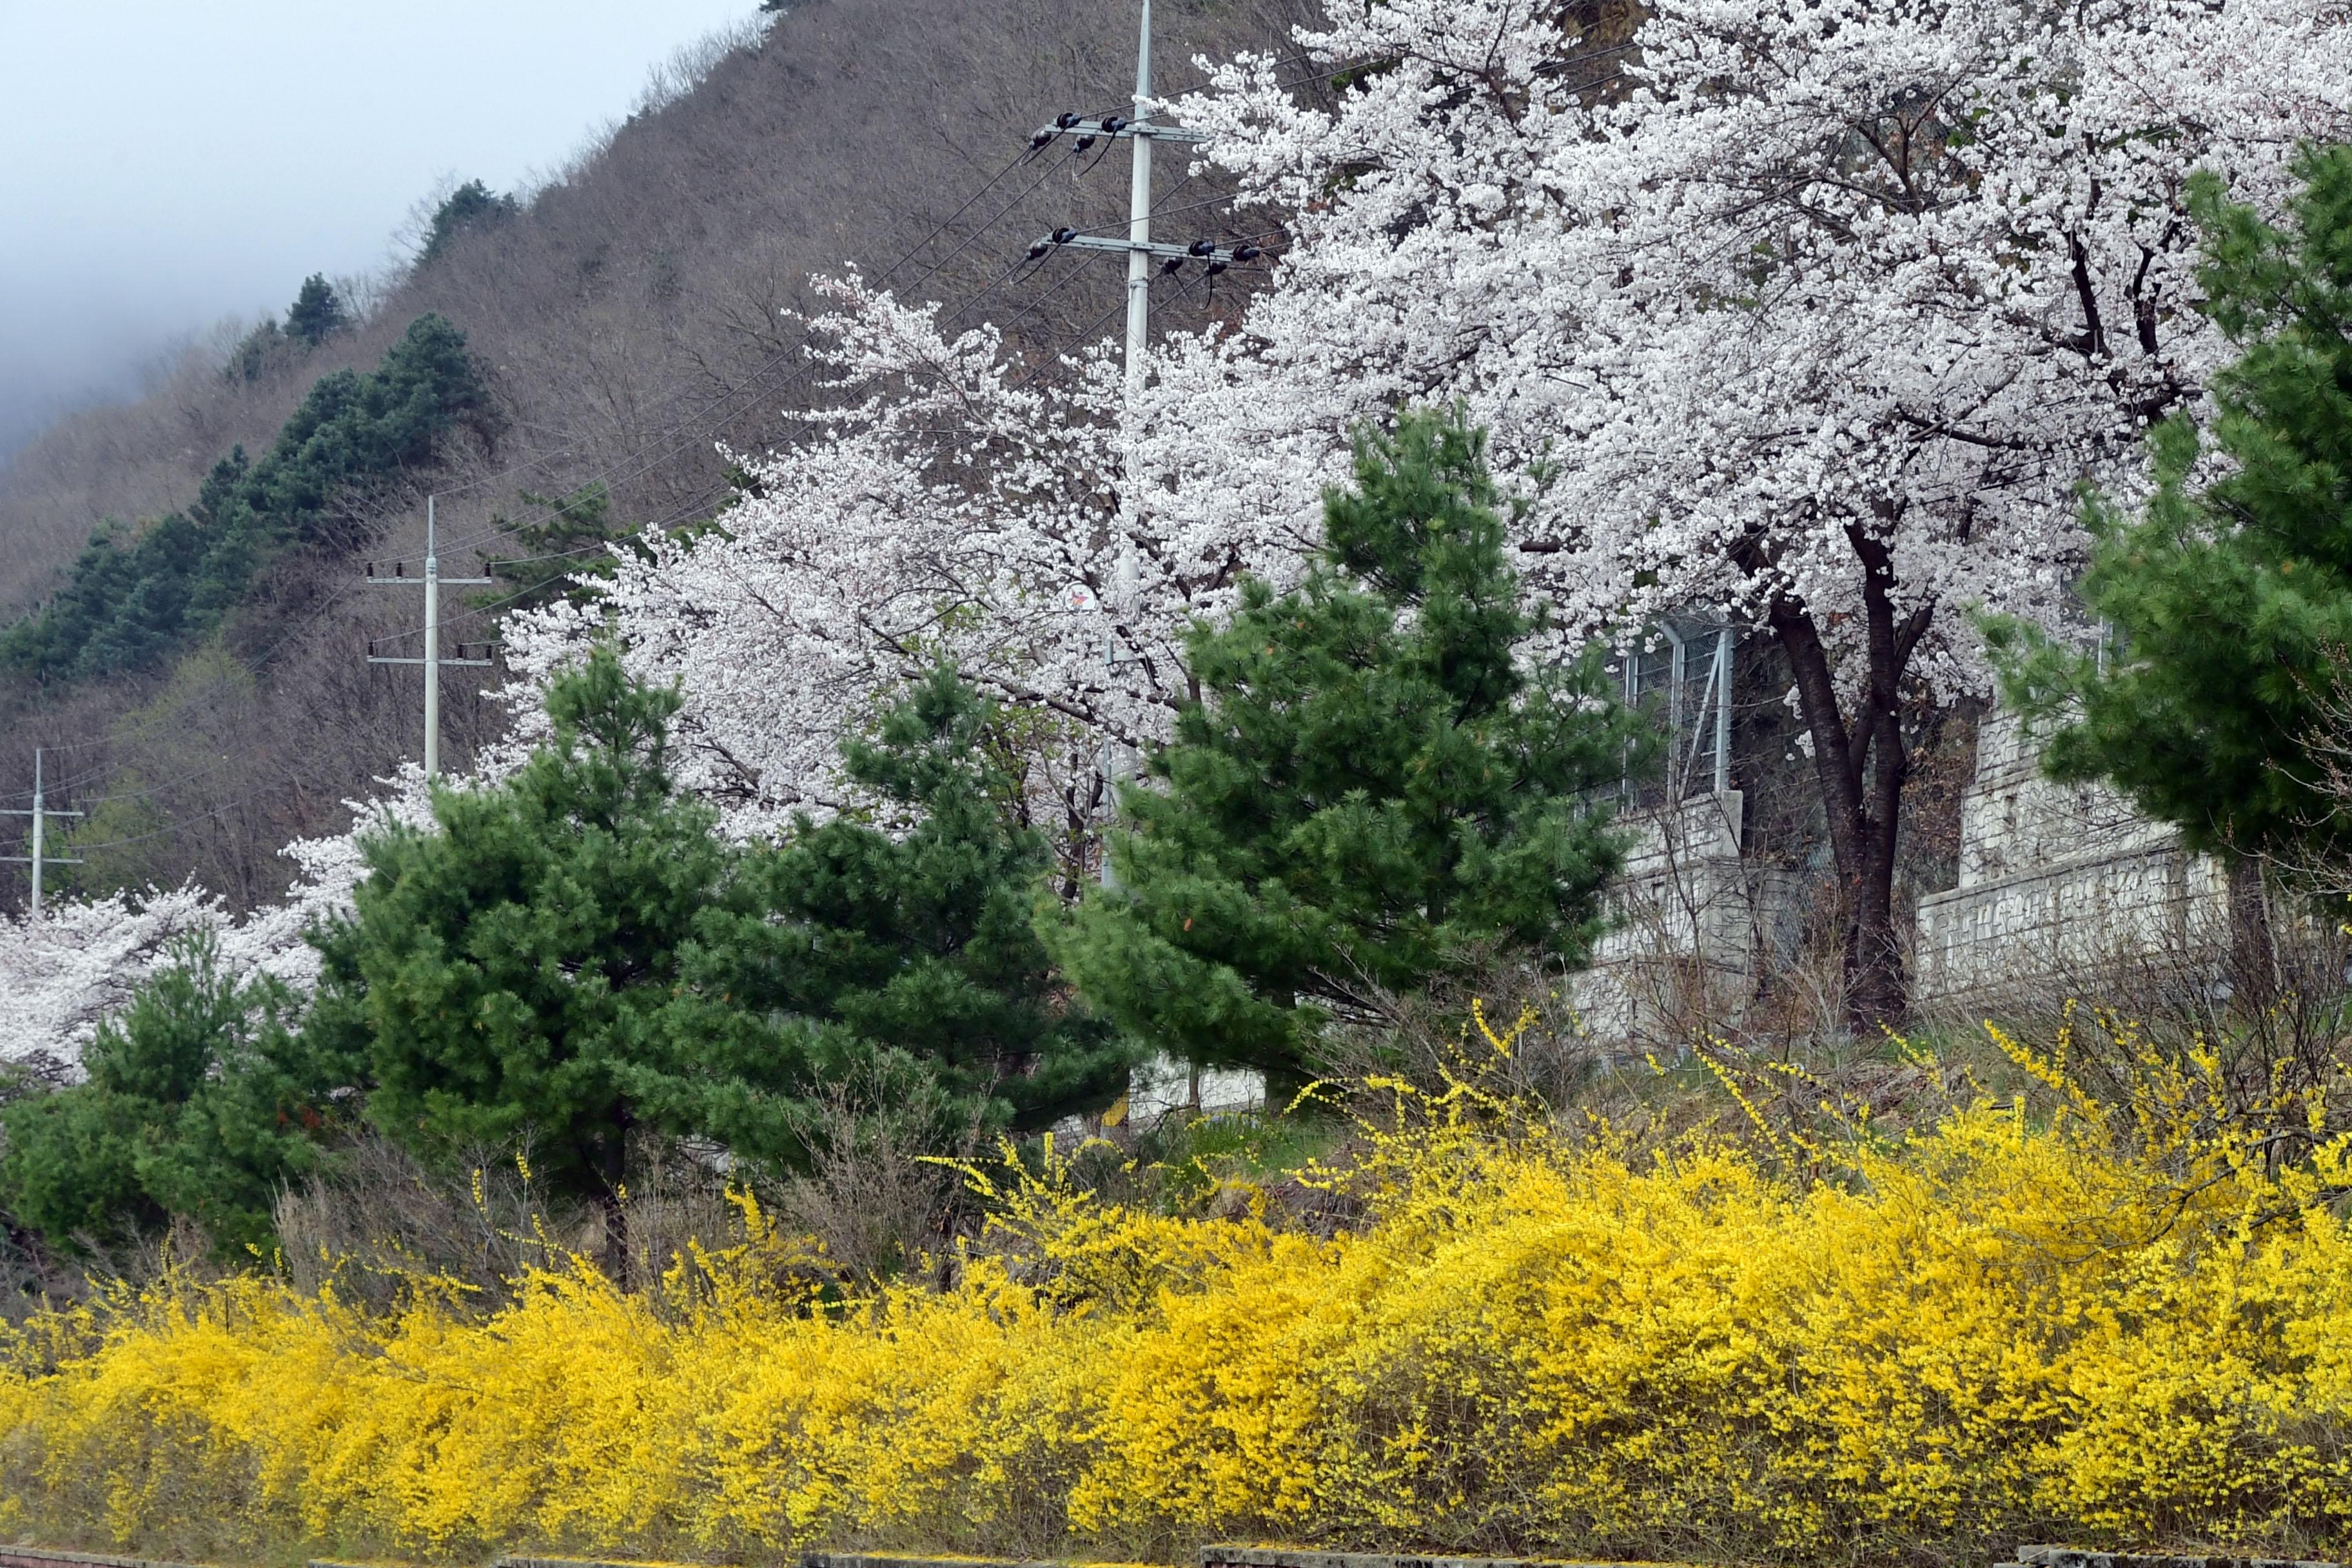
472 205
256 354
1374 791
574 538
137 595
317 314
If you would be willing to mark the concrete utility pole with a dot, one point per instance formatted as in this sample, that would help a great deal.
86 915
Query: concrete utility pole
431 661
1138 128
40 814
1139 307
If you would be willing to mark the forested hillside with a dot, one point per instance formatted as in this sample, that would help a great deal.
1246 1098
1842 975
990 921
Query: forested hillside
181 575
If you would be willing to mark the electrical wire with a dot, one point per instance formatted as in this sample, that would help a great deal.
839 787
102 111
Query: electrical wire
744 393
762 370
471 613
709 499
740 396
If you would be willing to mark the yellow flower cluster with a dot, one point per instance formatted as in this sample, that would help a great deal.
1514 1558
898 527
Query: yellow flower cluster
1516 1341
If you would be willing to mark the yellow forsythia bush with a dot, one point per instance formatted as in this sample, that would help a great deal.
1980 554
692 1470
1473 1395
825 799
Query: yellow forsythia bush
1956 1339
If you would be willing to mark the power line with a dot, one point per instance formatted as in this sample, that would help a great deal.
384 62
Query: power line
740 397
541 459
471 613
36 855
476 610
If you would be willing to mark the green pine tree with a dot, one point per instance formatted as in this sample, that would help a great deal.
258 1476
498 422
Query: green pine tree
256 354
506 976
200 1102
472 205
2231 601
913 941
317 314
573 539
1375 790
136 595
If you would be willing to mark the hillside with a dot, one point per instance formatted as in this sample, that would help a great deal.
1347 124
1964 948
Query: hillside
625 321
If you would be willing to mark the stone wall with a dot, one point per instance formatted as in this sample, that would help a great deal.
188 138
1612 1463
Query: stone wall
1693 919
2057 881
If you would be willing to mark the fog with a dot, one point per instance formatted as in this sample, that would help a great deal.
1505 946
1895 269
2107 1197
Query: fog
165 166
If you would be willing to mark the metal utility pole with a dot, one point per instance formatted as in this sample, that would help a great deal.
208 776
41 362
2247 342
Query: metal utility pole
1137 128
431 661
39 814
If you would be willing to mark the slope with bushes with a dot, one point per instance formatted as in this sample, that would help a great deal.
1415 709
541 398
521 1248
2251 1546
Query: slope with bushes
133 599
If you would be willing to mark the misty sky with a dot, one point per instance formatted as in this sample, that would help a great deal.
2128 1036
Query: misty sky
163 166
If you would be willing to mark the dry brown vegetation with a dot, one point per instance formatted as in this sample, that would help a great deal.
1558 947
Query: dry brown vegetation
636 313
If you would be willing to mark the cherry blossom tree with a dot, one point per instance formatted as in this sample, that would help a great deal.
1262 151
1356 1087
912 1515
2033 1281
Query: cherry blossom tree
1812 314
62 974
956 506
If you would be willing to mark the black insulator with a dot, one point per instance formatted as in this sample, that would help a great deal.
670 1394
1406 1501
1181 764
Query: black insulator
1112 125
1042 138
1170 265
1038 249
1215 267
1064 236
1201 247
1085 142
1063 121
1246 253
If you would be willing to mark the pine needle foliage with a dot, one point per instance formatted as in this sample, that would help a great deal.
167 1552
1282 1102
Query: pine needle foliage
1376 785
317 314
575 959
573 538
906 940
503 976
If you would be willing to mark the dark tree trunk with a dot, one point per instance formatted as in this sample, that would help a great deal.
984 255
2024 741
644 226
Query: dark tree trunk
1862 762
612 1171
2254 957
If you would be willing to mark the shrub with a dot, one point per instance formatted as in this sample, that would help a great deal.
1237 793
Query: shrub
2007 1326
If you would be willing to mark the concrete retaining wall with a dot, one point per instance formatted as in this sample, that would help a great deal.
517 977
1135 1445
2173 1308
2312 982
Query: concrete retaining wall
1693 919
1279 1557
2075 1557
2057 881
